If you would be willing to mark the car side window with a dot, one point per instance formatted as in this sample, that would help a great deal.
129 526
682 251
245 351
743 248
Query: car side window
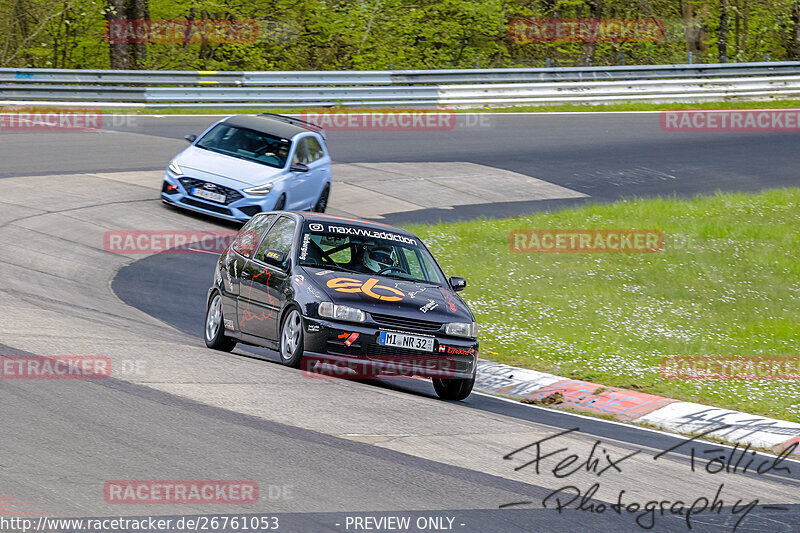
301 153
246 241
279 238
315 150
415 268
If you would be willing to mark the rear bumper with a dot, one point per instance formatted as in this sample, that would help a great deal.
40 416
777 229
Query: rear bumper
347 350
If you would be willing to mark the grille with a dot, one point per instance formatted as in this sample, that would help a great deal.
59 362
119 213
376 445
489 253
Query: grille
430 360
250 210
209 207
406 323
231 195
340 348
376 350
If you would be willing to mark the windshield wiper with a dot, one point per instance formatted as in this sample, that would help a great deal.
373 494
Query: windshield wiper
411 280
331 267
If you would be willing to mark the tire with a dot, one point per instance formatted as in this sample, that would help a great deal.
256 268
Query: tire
280 204
322 203
214 330
453 389
290 342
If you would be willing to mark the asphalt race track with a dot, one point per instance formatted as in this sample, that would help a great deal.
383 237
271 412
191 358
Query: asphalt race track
326 452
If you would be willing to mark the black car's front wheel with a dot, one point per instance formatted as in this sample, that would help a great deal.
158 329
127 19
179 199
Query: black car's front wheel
291 340
215 330
453 389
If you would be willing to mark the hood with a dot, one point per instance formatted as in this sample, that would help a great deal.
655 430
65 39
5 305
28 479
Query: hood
389 296
238 171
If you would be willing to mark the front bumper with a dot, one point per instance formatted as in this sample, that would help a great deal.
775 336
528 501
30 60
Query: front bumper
354 348
237 211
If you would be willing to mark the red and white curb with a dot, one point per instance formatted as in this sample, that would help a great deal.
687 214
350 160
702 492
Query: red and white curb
638 407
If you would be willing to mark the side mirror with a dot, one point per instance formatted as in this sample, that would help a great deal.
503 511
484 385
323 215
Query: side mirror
298 167
190 138
274 257
458 284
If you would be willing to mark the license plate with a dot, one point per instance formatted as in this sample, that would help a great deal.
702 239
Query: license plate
411 342
208 195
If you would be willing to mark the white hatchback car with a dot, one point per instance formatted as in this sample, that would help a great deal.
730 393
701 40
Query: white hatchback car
246 164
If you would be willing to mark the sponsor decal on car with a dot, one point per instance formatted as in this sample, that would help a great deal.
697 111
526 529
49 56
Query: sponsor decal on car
453 350
362 232
228 323
368 287
314 292
349 338
428 306
451 303
304 246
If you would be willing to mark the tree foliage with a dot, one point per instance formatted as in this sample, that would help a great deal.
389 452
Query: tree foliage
391 34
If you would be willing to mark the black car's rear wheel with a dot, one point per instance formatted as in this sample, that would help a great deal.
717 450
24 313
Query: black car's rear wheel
215 326
322 203
453 389
291 340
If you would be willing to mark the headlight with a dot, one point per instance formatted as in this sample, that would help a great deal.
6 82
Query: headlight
341 312
261 189
174 168
462 329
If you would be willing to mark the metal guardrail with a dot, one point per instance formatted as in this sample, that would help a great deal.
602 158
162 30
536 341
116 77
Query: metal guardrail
404 88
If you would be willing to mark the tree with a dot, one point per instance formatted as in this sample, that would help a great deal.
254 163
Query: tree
127 55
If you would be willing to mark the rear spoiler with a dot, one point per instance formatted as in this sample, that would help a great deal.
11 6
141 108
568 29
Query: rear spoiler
296 122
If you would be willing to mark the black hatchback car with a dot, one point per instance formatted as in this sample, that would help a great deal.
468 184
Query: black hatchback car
361 298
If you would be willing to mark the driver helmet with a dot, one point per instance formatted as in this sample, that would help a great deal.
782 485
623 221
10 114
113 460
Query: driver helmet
378 258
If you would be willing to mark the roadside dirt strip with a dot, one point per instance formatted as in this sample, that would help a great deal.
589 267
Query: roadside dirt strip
56 300
638 407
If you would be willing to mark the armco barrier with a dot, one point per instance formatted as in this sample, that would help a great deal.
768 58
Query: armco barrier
404 88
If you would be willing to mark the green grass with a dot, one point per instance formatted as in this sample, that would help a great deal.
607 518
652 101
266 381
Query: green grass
726 284
627 106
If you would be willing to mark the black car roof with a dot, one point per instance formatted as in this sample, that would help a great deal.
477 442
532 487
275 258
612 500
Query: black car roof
330 219
269 125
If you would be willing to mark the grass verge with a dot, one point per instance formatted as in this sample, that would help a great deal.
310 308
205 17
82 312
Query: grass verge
726 284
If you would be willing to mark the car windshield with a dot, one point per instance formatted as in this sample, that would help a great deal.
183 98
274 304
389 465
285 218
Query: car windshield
369 251
246 144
